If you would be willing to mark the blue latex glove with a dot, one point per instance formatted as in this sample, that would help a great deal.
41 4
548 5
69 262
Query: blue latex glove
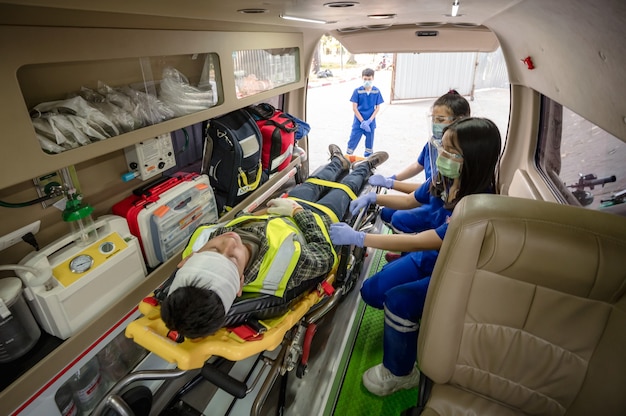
380 180
365 125
362 202
341 234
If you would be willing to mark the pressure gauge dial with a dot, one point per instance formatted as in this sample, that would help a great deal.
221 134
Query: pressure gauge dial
82 263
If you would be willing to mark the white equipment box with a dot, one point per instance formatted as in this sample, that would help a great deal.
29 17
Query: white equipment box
86 280
151 157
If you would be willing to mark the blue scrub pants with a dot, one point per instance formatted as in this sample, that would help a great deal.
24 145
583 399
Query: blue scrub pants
400 290
408 220
355 138
334 198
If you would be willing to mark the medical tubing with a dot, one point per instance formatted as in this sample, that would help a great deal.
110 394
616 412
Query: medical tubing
186 145
19 267
40 277
28 203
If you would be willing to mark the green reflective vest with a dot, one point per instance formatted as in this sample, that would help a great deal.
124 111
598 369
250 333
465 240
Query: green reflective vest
285 242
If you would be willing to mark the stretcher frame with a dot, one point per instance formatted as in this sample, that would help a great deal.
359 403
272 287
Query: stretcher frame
292 332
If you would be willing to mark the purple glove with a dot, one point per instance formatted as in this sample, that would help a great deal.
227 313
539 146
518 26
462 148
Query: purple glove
380 180
341 234
365 125
362 202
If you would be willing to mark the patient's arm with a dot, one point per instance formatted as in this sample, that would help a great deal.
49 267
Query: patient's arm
316 256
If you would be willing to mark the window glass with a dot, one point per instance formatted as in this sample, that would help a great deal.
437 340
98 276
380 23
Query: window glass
584 163
259 70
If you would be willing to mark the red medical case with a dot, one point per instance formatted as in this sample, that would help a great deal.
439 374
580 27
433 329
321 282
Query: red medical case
163 215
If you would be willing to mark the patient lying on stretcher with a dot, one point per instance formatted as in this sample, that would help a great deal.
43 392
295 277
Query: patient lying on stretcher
268 254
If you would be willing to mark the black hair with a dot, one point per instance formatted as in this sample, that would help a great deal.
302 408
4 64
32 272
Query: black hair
193 312
459 106
480 143
368 72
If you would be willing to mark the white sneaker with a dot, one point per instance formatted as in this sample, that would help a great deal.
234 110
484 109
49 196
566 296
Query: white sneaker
381 382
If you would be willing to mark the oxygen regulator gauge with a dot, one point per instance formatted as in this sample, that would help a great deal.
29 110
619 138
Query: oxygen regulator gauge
82 263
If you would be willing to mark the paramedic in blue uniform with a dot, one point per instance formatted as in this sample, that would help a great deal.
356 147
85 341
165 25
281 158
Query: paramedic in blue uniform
253 255
466 164
449 107
366 101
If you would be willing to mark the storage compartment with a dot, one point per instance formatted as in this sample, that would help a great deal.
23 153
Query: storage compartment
260 70
151 90
53 64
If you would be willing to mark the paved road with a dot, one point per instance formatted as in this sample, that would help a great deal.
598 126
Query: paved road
402 128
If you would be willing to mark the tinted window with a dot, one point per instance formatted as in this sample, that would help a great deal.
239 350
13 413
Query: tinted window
584 164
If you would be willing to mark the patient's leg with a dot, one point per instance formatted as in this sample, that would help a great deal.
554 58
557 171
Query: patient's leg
338 200
311 192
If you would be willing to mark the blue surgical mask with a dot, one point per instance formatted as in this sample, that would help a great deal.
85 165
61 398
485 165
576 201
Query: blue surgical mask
438 130
367 84
448 167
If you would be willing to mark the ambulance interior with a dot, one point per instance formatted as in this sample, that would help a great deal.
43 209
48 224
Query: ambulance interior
568 53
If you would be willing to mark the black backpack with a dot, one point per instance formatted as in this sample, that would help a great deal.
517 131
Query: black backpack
232 157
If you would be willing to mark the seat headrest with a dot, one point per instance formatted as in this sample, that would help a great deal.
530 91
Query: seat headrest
569 249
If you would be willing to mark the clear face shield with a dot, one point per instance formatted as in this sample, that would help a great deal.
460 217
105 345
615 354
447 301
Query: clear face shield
446 168
438 120
443 162
433 153
436 124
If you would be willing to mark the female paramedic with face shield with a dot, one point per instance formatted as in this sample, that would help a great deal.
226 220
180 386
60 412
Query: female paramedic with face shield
465 164
449 107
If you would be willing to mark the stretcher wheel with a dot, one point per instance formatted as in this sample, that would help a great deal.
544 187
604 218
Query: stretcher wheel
138 398
301 370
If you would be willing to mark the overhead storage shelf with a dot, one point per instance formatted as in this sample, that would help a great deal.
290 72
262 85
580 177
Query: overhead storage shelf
178 78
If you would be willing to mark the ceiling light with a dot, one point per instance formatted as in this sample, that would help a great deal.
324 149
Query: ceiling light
455 8
349 29
252 11
378 27
341 4
302 19
381 16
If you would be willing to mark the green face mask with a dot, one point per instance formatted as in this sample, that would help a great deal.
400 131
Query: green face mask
448 167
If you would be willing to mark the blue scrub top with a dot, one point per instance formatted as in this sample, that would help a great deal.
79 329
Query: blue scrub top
438 215
366 103
424 160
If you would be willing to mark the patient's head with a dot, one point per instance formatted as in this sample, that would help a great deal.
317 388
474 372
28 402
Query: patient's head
202 292
193 312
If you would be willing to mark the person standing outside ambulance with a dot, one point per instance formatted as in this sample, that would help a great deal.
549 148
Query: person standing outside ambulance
366 101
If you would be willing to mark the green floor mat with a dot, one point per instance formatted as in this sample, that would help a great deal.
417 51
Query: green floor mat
354 399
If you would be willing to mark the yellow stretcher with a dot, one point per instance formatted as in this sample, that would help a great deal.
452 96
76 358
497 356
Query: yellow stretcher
150 332
292 329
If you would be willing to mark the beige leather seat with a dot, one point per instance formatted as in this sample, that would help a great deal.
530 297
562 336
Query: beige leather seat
526 313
